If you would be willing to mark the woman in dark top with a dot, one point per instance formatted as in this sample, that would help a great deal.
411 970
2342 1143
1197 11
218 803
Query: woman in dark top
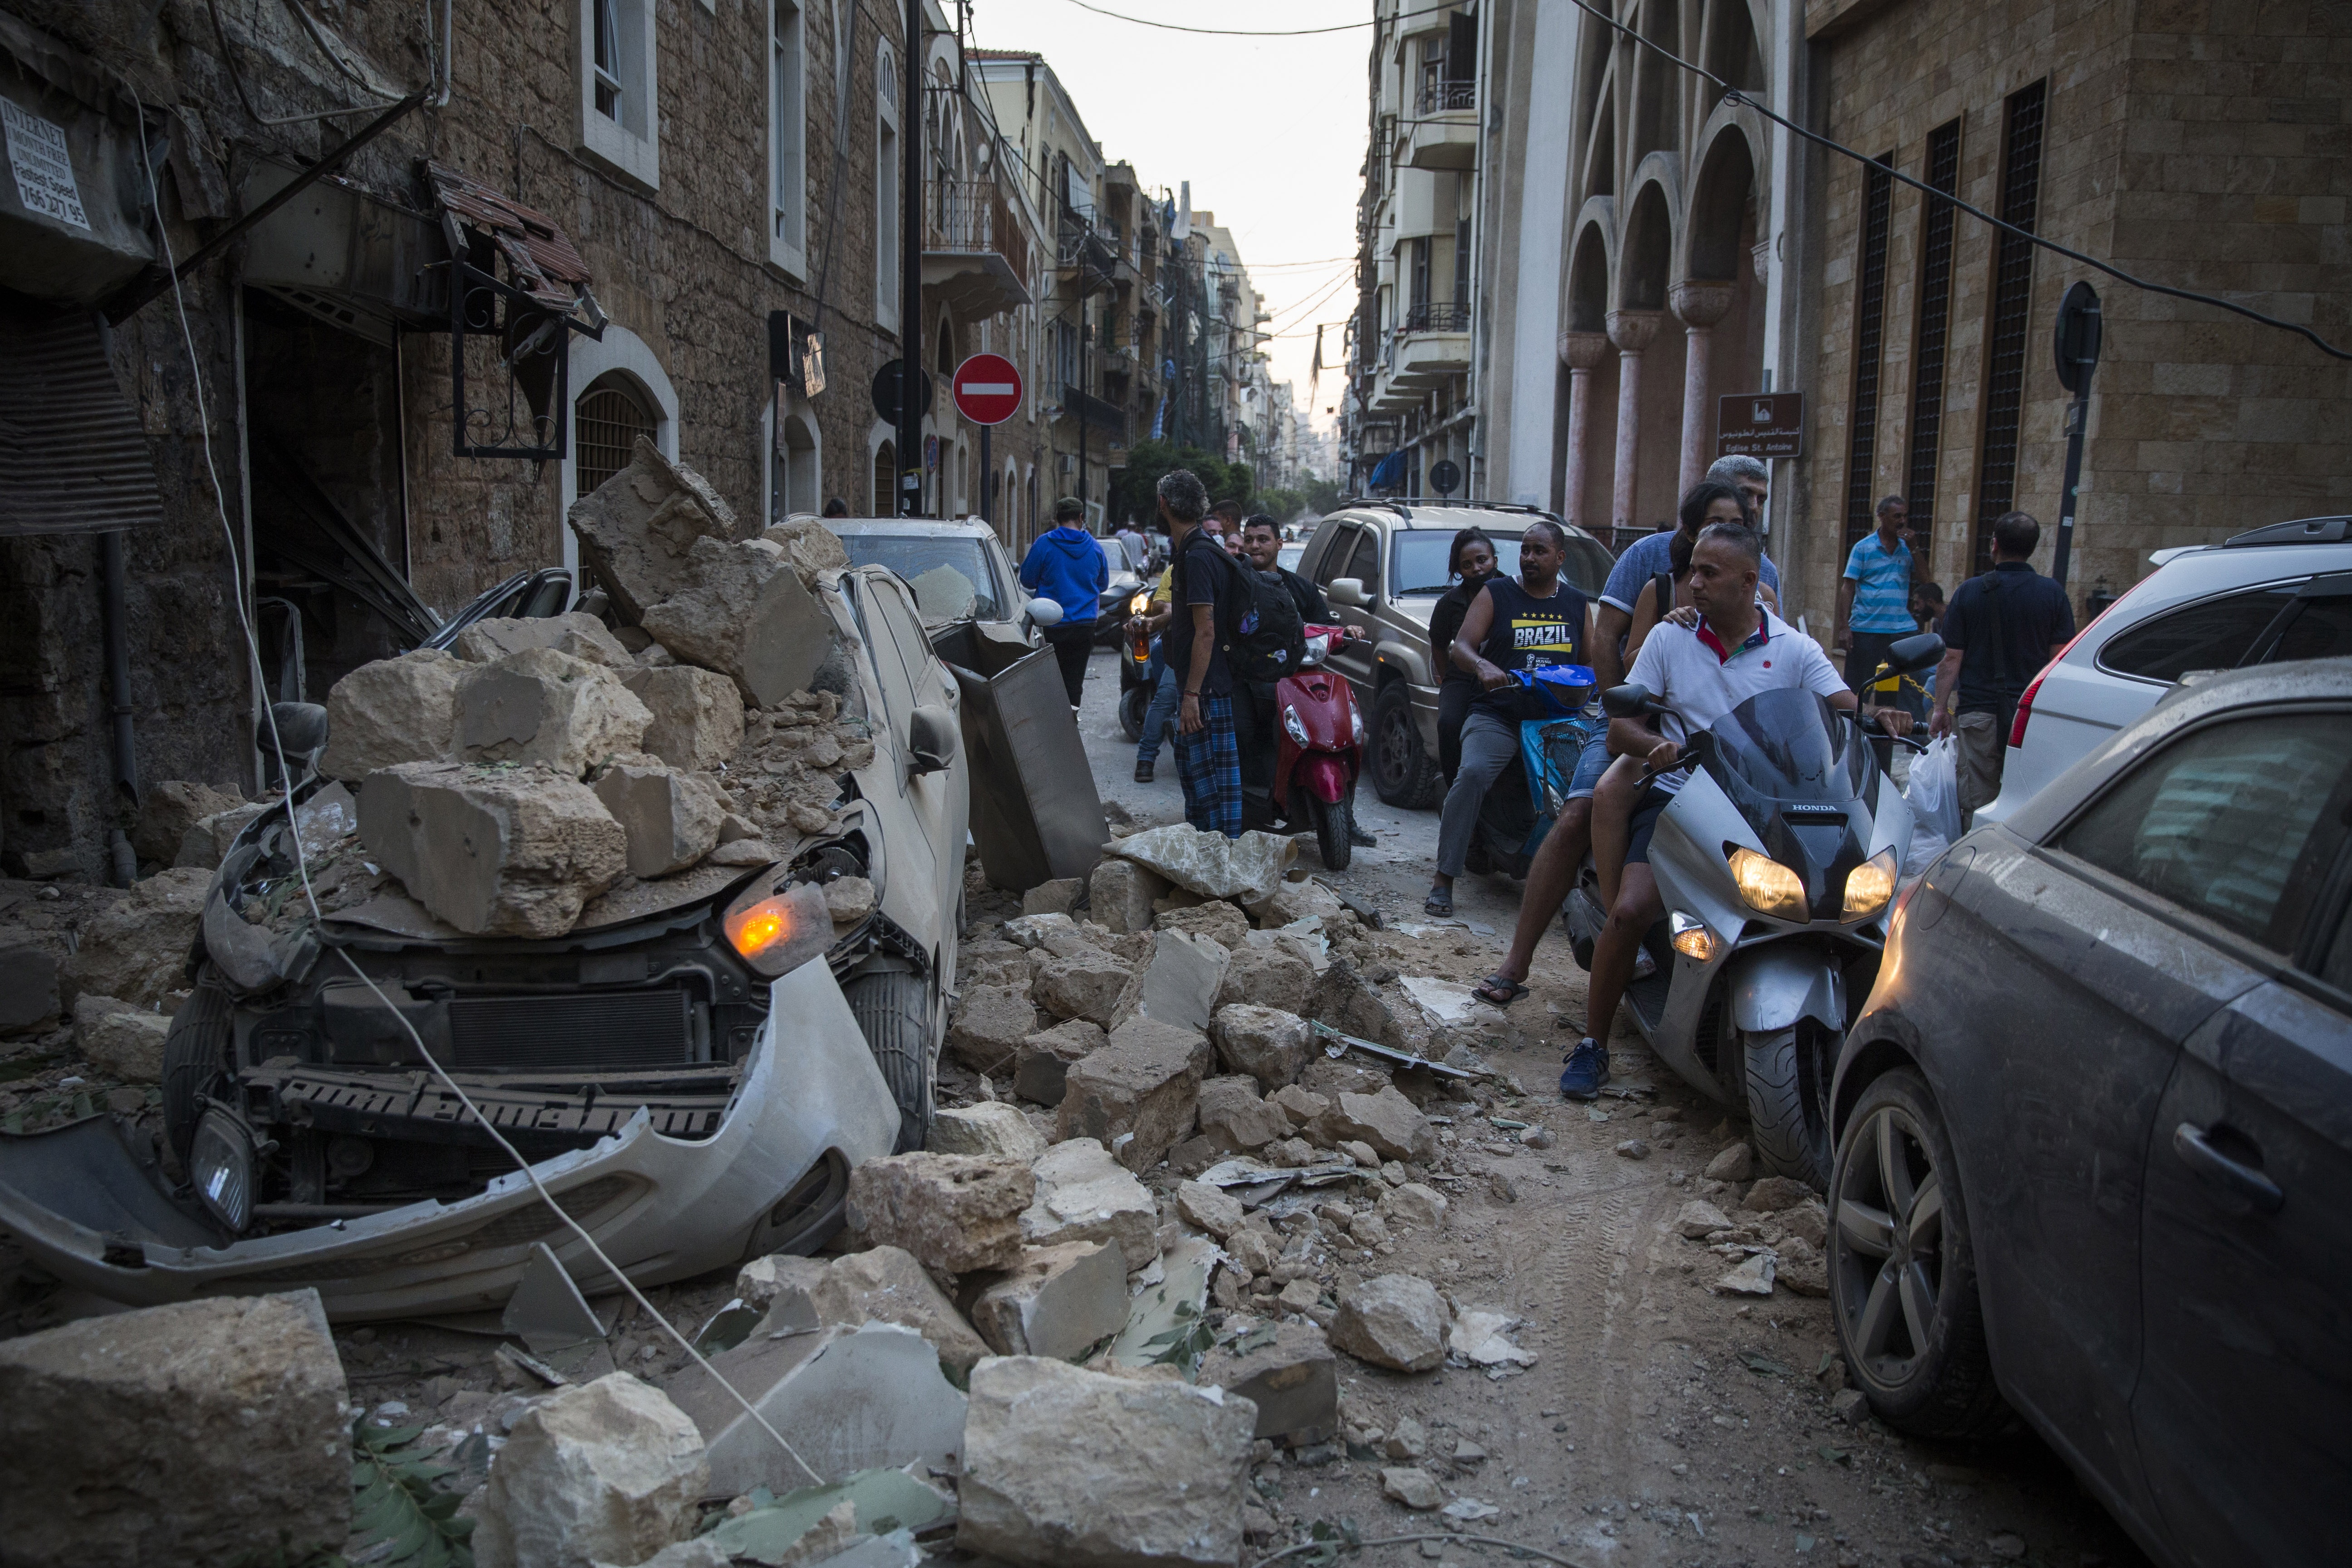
1472 562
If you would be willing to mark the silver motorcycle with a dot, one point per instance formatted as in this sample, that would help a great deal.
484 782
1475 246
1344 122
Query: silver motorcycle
1777 863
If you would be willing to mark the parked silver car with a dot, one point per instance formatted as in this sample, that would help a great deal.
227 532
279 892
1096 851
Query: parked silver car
2279 593
957 570
2095 1127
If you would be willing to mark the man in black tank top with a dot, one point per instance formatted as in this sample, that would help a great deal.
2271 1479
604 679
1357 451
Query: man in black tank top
1515 625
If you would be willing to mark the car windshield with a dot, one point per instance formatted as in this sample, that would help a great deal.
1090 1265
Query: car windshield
1420 564
953 577
1787 745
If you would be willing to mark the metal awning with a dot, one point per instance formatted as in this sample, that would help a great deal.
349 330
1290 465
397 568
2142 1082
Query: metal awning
73 458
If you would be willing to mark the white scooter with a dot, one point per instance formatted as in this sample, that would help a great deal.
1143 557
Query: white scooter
1777 863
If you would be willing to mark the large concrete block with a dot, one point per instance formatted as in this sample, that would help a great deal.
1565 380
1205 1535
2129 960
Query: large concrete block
1290 1375
1136 1094
670 819
608 1472
993 1129
123 1042
1397 1321
1267 976
136 948
698 715
955 1213
540 705
1087 985
1181 984
1235 1117
394 710
168 810
576 632
636 528
1390 1122
881 1285
1268 1043
1119 894
1084 1195
1056 1301
990 1023
1041 1067
1081 1469
493 851
809 546
204 1433
741 611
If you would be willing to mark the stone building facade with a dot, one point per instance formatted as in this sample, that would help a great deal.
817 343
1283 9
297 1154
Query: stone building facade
2201 145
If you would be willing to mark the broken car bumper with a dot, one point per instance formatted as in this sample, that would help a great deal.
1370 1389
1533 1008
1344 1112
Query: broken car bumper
90 1208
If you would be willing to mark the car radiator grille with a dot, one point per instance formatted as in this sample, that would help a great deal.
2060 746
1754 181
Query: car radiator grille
614 1028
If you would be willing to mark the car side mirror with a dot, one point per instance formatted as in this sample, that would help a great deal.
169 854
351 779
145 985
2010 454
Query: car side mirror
932 740
1909 655
1629 701
1042 611
1349 593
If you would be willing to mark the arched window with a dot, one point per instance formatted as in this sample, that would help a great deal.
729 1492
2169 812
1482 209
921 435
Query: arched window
795 476
607 422
886 480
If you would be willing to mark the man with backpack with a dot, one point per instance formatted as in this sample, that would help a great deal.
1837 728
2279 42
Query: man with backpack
1205 592
2000 630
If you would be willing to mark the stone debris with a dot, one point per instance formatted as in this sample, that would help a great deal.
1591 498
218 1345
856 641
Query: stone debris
1268 976
1391 1123
1083 1470
881 1285
1732 1165
1698 1218
954 1212
669 819
493 851
1396 1320
1773 1193
1268 1043
1087 985
848 900
1057 897
1084 1195
28 988
1137 1096
744 613
1408 1439
809 546
169 812
1041 1061
637 529
698 715
541 706
1287 1371
1179 985
136 948
990 1026
1058 1301
1753 1278
1234 1120
576 632
391 711
1209 1209
992 1130
207 843
1478 1338
1410 1486
208 1431
123 1042
607 1472
1246 869
1220 922
1121 893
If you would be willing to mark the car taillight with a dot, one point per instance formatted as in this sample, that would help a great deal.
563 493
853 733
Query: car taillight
2025 701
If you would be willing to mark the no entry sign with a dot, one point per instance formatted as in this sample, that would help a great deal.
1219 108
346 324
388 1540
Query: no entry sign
987 389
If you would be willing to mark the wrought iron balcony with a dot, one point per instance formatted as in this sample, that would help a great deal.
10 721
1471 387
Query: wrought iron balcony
1436 319
974 251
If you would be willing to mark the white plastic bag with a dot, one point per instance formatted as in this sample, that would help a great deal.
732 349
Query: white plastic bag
1934 793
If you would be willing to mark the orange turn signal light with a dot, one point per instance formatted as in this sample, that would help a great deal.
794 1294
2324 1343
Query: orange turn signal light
778 933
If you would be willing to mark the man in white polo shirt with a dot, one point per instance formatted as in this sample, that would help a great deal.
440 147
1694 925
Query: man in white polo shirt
1738 650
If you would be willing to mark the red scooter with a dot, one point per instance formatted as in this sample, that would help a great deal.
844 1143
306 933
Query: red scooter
1321 751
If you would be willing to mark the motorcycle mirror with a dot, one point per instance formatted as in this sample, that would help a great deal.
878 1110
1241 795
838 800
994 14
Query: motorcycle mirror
1909 655
1348 591
1044 612
1628 701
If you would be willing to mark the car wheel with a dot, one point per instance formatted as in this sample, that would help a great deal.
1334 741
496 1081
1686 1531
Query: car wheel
1332 822
195 1059
1403 773
893 1009
1788 1100
1133 703
1902 1268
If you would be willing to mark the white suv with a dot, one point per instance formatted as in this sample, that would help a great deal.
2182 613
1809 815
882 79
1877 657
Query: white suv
2278 593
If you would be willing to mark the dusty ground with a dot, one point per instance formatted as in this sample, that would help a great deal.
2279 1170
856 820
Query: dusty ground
1663 1423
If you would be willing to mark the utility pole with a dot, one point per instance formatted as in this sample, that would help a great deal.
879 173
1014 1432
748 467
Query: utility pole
1085 335
2076 346
910 268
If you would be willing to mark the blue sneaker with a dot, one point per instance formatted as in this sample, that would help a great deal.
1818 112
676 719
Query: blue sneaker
1587 1071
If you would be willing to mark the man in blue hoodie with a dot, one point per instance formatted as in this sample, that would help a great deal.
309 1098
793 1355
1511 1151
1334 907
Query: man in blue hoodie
1066 566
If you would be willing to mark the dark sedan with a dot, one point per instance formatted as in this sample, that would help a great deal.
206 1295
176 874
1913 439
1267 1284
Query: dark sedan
2095 1127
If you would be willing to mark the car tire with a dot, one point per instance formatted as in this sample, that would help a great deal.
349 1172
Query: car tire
1403 773
1333 823
893 1009
1902 1269
195 1059
1788 1100
1133 704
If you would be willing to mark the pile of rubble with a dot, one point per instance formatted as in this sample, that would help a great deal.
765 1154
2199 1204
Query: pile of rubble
1132 1265
683 723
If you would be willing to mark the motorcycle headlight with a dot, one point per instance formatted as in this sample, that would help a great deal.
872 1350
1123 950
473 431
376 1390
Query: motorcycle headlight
1869 884
1769 887
1292 726
1140 604
1691 937
778 931
220 1158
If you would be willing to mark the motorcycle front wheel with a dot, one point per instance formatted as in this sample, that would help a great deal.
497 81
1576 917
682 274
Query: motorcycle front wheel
1133 703
1333 823
1788 1100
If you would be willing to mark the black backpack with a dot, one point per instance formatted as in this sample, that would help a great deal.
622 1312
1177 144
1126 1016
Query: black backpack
1263 636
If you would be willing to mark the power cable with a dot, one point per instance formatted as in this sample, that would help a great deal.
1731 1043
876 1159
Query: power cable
1735 96
301 861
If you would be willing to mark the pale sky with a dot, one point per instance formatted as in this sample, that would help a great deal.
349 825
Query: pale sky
1277 160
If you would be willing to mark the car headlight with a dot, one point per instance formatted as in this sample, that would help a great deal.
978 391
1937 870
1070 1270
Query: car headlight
1691 937
1769 887
1869 884
778 931
1292 726
220 1159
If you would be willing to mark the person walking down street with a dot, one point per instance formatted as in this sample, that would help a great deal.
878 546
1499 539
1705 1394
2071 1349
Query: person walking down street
1202 592
1999 630
1514 625
1472 562
1874 607
1067 565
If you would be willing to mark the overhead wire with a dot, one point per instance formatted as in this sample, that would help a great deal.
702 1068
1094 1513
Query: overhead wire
1736 96
301 861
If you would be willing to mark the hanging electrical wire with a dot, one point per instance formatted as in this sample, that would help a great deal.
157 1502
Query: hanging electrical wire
1736 96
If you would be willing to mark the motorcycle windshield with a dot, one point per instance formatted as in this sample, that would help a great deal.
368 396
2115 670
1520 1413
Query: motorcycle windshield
1787 745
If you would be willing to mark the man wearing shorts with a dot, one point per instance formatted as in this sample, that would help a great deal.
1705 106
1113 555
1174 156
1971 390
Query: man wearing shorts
1738 650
